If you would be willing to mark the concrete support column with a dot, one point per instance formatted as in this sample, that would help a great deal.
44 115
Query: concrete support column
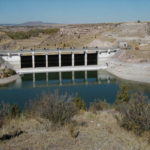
72 59
85 58
59 59
8 54
109 51
19 63
33 60
46 56
97 57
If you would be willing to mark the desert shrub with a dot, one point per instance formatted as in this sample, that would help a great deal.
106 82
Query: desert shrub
9 111
50 31
135 115
31 33
4 109
73 129
139 21
14 111
79 103
148 28
64 45
99 105
122 95
137 48
6 73
10 72
34 32
18 35
59 109
4 112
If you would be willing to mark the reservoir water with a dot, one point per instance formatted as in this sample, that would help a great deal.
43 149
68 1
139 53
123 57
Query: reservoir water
89 85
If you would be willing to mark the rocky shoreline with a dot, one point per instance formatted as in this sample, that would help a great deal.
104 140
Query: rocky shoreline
9 79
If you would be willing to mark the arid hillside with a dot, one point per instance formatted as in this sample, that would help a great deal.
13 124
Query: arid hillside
134 35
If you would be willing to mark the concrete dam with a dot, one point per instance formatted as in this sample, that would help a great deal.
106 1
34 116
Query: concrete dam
30 61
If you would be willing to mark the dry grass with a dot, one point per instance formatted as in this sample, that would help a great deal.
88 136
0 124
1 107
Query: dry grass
33 42
136 56
96 131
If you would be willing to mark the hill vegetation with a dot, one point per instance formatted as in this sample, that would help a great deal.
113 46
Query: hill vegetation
31 33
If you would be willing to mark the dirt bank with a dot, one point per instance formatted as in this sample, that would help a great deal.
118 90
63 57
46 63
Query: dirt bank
139 72
9 79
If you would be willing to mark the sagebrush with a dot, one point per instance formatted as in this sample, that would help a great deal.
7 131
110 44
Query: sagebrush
136 114
79 103
57 108
99 105
122 95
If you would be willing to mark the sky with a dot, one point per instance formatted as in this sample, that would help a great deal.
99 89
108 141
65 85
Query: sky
74 11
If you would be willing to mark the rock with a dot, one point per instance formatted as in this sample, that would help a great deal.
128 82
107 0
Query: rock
11 135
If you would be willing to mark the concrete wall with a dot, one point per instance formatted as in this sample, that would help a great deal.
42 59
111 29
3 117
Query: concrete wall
72 58
15 61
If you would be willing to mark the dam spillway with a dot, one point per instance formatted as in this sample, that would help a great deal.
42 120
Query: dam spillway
29 61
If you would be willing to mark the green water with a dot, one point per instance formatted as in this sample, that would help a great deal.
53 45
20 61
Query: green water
89 85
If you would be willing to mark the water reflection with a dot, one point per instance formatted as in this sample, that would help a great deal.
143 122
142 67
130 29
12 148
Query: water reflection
66 78
89 85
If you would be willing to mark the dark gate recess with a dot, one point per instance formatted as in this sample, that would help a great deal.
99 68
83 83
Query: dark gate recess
26 61
92 59
40 61
53 60
79 59
66 60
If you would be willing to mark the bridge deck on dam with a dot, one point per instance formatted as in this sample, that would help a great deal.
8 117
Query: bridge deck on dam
56 50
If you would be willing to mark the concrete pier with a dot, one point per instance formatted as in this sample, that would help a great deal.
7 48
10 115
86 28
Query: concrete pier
46 58
72 59
59 59
85 58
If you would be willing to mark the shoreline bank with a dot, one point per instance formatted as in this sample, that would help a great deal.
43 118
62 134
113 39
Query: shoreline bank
139 72
9 79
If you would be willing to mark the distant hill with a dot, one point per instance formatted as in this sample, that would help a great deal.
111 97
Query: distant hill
7 24
35 23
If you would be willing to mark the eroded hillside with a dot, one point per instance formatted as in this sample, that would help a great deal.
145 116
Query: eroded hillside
128 35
